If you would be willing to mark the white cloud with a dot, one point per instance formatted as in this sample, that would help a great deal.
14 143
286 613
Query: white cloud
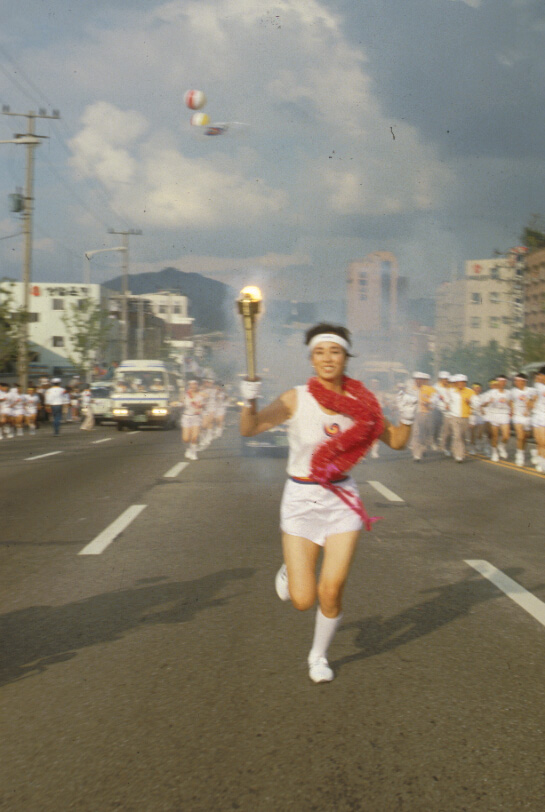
159 185
472 3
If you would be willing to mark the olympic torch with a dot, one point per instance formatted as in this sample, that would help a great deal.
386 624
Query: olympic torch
249 307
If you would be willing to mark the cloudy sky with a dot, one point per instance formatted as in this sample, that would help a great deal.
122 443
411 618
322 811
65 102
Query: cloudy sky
415 127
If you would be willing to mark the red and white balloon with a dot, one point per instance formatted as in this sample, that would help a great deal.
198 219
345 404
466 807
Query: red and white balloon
195 99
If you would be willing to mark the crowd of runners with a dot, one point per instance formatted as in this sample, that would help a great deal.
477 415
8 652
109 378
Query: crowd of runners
204 405
25 410
457 417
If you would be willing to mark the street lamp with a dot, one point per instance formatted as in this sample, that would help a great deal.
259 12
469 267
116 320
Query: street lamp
90 254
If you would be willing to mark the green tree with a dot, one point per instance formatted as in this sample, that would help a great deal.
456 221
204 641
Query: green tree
88 330
533 347
11 322
533 234
480 363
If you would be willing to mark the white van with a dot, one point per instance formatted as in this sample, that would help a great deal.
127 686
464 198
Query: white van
146 393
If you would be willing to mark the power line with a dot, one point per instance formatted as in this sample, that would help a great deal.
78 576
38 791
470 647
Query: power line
70 135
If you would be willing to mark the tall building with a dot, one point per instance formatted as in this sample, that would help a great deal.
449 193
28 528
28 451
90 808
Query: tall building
449 316
534 292
376 299
486 305
172 308
493 308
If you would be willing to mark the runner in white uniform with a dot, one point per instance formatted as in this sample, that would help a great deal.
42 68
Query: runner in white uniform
312 516
208 398
191 419
30 405
16 410
219 410
498 402
4 426
476 420
538 419
521 400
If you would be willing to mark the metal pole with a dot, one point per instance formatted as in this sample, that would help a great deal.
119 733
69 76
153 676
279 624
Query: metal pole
125 287
140 336
22 355
124 301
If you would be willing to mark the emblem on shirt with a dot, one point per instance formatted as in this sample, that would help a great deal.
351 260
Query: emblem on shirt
332 430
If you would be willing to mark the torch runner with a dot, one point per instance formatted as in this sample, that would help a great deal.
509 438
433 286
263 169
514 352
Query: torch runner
249 307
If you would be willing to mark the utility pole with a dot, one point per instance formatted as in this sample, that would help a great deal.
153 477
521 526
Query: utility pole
131 232
31 140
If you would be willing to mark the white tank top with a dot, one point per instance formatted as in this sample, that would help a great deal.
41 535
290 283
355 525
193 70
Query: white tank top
308 428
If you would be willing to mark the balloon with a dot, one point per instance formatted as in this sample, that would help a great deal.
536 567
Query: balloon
195 99
200 119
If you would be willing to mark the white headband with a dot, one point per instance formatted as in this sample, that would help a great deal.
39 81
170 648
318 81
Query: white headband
335 339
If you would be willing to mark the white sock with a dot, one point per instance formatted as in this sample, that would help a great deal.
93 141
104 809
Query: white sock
324 632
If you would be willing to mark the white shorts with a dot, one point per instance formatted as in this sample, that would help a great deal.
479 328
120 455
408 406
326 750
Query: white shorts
476 420
499 419
190 421
314 513
538 421
521 420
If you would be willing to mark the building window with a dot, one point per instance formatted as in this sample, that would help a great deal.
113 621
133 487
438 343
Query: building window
495 272
58 341
58 304
475 322
362 286
162 308
177 310
476 298
33 317
494 322
494 297
506 320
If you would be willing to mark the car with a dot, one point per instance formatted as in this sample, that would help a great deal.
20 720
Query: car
101 399
273 442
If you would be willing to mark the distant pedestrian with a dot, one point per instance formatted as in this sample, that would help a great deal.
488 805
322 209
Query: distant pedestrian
422 432
88 421
55 399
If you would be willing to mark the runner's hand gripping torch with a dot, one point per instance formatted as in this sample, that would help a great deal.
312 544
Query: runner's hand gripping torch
249 307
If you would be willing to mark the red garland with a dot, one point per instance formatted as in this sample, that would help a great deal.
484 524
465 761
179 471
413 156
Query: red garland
340 453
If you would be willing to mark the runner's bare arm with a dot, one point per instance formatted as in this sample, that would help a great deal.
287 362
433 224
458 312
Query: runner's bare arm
396 437
253 422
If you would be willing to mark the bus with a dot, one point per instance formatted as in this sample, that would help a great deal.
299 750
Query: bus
146 393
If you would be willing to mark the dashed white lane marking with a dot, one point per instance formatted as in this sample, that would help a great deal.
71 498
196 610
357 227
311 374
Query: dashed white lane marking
104 440
133 432
99 544
175 470
515 591
41 456
378 486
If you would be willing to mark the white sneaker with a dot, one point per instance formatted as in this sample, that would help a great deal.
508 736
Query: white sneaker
533 455
188 455
319 670
281 583
502 451
519 458
495 457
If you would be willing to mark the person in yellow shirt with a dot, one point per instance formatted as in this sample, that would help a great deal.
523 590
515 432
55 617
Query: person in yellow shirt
460 408
422 434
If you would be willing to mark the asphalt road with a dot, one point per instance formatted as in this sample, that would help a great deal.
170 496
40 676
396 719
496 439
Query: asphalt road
163 673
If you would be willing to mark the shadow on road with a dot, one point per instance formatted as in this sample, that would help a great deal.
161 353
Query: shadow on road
375 635
40 636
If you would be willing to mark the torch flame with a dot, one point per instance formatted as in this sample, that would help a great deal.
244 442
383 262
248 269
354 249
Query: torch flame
251 292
